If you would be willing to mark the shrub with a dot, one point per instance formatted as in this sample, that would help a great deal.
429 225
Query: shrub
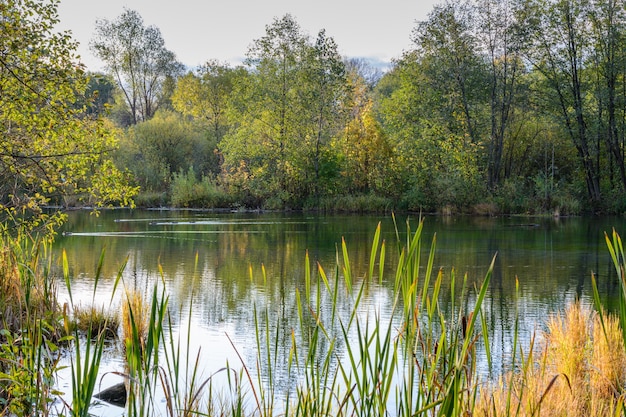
365 203
512 196
187 191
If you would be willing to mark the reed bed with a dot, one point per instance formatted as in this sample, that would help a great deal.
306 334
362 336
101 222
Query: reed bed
418 360
578 370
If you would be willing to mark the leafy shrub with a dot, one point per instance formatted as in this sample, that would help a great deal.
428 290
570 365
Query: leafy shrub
151 199
512 196
188 191
365 203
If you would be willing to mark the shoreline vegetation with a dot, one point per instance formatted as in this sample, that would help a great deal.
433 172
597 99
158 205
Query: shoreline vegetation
419 361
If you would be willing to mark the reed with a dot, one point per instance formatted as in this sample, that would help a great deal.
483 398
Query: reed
417 361
30 327
135 319
579 370
87 352
143 340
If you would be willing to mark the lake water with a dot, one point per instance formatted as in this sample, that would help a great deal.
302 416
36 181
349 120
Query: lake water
213 262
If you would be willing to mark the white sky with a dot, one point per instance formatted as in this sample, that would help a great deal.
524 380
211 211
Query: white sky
199 30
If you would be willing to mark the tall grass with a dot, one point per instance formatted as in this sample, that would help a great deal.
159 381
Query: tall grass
579 369
30 330
87 352
415 361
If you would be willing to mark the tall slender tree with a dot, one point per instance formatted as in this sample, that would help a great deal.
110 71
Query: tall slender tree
496 34
136 56
557 44
608 26
325 93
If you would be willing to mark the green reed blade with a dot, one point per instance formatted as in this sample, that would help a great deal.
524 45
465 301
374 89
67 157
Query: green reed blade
66 276
485 336
307 276
381 264
347 272
98 272
479 302
375 244
598 304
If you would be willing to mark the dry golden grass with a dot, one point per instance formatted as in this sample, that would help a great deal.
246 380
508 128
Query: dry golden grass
96 320
580 371
10 289
135 316
26 293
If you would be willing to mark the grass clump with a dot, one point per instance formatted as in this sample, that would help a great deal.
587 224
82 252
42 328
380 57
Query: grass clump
96 320
135 319
188 191
31 330
580 369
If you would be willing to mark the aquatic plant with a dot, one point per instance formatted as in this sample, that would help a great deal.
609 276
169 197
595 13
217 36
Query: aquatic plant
30 329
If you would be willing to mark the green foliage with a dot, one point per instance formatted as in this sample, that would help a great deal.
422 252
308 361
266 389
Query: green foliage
205 96
287 113
368 203
136 57
166 144
50 147
188 191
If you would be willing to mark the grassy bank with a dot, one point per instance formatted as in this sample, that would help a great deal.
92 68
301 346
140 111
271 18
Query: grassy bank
419 360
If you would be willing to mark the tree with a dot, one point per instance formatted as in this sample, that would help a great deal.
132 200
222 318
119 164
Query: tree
267 110
608 26
324 95
557 44
50 148
496 33
136 57
100 94
286 113
205 95
447 49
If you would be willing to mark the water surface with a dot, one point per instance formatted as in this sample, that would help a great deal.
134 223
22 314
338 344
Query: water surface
212 265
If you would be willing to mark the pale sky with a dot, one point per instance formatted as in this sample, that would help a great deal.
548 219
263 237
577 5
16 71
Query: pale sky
197 31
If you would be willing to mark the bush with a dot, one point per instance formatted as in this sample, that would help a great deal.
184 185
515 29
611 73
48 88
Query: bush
511 196
366 203
187 191
151 199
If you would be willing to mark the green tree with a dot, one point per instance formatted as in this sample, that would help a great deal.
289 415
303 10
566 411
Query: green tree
608 27
286 114
205 95
267 112
50 149
325 93
496 32
557 43
136 56
101 92
446 48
